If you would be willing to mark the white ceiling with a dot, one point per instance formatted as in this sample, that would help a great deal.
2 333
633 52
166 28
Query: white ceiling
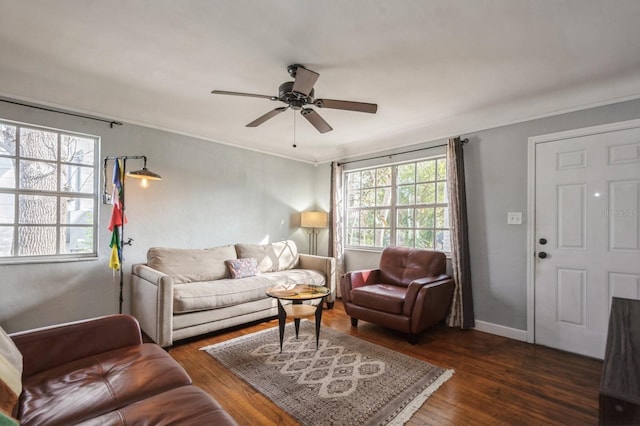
435 68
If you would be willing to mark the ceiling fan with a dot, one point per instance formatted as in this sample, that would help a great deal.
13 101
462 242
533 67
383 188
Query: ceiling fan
298 95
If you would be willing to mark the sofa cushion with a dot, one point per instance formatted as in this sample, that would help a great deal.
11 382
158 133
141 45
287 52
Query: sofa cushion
10 376
192 406
92 386
242 268
192 297
191 265
274 257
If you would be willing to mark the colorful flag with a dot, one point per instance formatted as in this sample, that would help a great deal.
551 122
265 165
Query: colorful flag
118 218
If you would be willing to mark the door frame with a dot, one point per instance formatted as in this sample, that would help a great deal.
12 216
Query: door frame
531 200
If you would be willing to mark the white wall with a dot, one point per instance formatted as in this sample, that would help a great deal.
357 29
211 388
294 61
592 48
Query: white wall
211 194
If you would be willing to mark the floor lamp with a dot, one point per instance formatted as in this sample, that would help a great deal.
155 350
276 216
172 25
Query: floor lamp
119 179
313 221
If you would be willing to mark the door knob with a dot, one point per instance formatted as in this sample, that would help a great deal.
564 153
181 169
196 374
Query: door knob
543 241
542 255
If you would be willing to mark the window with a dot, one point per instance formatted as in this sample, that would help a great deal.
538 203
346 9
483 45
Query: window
403 204
48 193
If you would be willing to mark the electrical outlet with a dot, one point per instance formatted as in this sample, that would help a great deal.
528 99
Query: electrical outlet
514 218
106 198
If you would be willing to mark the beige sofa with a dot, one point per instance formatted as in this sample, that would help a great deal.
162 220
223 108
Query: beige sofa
181 293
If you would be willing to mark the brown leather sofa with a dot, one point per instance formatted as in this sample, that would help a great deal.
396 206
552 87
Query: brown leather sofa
99 372
409 292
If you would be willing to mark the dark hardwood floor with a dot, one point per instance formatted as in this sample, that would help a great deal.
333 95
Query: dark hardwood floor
497 380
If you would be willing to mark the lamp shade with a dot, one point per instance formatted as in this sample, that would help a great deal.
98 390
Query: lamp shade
313 220
144 173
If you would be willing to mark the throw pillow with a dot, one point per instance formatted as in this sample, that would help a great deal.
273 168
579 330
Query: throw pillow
274 257
242 268
10 376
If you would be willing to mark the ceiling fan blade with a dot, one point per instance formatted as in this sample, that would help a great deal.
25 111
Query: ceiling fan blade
315 119
249 95
346 105
305 79
258 121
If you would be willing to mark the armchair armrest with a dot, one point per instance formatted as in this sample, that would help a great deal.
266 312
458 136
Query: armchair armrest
47 347
324 264
417 285
355 279
152 303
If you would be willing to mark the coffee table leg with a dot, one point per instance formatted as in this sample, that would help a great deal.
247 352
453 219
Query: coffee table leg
318 320
296 321
282 319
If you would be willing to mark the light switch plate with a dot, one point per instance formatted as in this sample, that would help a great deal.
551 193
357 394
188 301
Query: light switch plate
514 218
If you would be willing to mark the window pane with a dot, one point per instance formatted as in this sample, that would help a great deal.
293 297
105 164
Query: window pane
75 149
406 195
36 240
442 192
443 241
425 218
368 178
426 193
427 171
442 169
7 173
404 237
366 219
407 173
7 139
353 237
37 209
76 211
382 218
40 144
77 179
38 175
424 239
354 199
354 180
366 236
383 237
405 218
77 239
383 196
353 218
368 198
383 176
6 240
442 217
7 208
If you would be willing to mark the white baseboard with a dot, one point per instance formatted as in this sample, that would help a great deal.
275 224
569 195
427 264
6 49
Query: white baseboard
501 330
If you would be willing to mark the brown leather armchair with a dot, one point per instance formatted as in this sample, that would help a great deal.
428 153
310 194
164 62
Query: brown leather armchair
409 292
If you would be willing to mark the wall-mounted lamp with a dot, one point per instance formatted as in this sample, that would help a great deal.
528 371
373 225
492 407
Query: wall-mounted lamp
313 220
118 218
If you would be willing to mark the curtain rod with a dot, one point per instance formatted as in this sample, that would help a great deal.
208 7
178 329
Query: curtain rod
466 140
111 122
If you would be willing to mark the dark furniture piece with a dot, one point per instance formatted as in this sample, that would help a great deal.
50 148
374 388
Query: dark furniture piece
620 383
98 372
409 292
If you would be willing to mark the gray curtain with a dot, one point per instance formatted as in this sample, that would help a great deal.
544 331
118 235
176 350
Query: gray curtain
461 313
336 218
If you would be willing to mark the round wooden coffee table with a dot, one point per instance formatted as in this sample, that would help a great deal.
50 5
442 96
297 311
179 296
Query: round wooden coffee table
296 309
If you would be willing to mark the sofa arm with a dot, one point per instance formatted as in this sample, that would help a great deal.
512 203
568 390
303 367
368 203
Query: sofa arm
47 347
152 303
432 304
355 279
326 265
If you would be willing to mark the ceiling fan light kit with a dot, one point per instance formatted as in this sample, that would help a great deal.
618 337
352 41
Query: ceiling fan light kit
300 93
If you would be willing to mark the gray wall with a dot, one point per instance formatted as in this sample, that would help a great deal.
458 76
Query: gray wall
211 194
496 177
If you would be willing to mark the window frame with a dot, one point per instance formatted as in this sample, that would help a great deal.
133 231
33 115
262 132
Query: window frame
59 193
394 206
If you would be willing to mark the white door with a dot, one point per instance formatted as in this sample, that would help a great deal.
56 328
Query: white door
587 196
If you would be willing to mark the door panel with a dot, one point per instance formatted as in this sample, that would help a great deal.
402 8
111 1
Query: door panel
587 198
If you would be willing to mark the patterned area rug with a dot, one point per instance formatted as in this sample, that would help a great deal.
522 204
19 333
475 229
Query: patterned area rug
347 381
